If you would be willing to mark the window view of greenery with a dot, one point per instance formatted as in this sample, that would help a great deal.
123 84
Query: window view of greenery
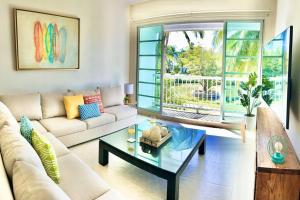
241 59
193 73
193 69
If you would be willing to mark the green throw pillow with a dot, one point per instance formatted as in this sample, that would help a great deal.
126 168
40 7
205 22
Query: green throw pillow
26 128
47 155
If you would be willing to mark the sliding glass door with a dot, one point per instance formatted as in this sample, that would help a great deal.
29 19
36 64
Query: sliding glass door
149 68
194 68
242 56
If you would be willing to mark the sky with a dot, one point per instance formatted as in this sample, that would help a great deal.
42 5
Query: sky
178 40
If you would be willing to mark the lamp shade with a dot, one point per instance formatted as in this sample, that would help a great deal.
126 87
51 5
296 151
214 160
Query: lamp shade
128 88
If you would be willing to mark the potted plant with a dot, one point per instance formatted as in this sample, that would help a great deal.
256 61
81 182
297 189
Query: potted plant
126 100
249 96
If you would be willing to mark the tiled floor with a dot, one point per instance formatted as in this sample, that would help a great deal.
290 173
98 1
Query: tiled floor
225 172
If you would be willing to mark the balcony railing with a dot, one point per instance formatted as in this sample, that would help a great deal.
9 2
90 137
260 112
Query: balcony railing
203 93
192 92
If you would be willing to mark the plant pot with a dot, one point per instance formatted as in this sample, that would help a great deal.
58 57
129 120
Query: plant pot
250 122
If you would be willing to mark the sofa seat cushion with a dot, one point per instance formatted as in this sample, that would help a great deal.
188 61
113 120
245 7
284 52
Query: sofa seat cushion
53 105
104 118
14 147
78 181
38 126
59 148
60 126
24 105
6 117
30 183
121 111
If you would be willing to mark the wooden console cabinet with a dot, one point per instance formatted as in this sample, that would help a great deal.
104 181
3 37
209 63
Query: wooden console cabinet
274 182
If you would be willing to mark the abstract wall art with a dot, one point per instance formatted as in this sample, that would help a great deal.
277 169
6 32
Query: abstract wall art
46 41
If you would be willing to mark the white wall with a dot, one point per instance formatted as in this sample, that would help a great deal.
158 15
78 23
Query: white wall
288 13
104 44
156 8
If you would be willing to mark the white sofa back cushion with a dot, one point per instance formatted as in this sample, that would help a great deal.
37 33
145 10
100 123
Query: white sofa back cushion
30 183
14 147
112 96
53 105
83 92
7 118
24 105
5 191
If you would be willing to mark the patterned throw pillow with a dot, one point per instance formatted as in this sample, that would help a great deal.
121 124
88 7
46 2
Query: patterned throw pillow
88 111
47 155
26 128
71 105
94 99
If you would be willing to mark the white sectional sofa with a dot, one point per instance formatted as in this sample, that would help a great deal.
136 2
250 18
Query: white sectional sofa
48 117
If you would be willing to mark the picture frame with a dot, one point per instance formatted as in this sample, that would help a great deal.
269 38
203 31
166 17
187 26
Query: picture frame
46 41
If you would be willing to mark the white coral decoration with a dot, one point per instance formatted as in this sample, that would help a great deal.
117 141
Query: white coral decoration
155 133
164 131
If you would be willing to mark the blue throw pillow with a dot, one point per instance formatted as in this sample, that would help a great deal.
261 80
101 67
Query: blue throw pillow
88 111
26 128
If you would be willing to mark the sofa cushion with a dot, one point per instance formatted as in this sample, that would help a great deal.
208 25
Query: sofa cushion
38 126
88 111
71 105
26 128
60 126
121 111
24 105
5 190
84 92
59 148
30 183
94 99
104 118
112 96
14 147
47 155
78 181
53 105
6 117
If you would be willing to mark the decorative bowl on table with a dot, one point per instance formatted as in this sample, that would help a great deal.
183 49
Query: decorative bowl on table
155 136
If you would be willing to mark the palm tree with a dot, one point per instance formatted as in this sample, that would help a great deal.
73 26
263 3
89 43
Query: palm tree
197 34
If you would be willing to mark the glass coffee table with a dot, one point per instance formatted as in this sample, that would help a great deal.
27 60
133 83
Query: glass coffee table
168 161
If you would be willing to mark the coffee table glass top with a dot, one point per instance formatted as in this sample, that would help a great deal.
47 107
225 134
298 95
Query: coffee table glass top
170 156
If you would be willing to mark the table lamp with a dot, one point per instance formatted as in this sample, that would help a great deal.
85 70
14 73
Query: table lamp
278 149
128 89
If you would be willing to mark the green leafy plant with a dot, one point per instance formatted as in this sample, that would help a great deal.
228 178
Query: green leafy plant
267 85
126 99
249 94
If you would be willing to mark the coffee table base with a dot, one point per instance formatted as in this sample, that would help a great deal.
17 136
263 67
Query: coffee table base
172 178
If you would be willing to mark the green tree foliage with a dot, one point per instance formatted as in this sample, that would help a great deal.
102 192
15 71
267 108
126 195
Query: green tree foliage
267 85
200 61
